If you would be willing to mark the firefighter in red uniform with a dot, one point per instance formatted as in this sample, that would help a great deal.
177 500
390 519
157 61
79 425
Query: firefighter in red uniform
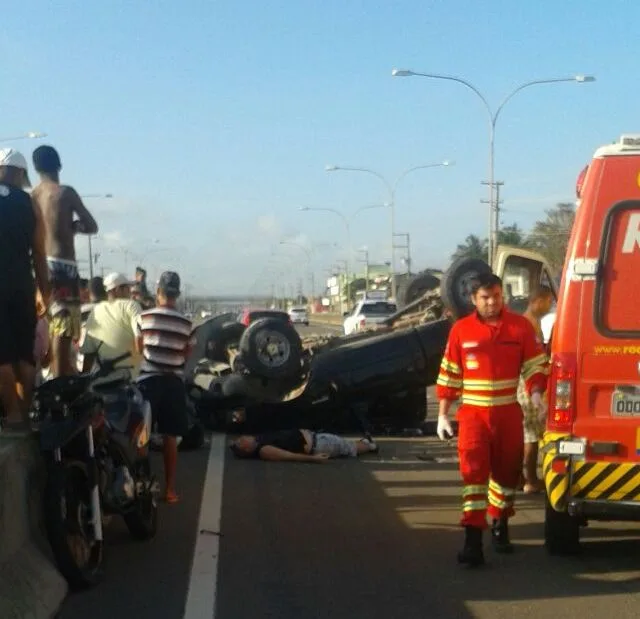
485 355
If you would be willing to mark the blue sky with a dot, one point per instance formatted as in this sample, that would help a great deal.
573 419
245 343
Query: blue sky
211 121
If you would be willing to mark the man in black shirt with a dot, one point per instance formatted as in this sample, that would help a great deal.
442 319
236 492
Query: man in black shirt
300 445
22 250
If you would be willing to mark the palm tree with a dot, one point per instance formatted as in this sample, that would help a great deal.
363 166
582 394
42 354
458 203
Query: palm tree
473 247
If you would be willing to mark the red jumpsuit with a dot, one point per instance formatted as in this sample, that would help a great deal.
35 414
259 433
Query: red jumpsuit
482 363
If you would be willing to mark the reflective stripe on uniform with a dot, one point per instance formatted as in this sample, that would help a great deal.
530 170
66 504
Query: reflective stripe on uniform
474 506
490 385
534 365
499 496
450 366
482 400
448 381
468 490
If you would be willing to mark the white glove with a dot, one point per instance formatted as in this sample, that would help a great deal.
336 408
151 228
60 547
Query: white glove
540 405
444 428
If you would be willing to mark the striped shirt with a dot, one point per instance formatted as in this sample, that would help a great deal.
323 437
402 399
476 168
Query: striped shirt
166 333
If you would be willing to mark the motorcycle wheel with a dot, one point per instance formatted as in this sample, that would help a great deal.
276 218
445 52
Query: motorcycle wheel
67 508
142 521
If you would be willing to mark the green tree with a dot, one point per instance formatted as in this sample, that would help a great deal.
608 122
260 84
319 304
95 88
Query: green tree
550 236
473 247
512 235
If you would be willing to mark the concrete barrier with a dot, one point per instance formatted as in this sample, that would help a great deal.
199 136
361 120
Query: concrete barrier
30 585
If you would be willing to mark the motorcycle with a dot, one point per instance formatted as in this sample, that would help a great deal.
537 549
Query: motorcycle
95 439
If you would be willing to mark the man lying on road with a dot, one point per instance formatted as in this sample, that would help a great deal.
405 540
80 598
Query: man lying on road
300 446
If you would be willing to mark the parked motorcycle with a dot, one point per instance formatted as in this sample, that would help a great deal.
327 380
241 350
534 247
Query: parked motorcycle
95 439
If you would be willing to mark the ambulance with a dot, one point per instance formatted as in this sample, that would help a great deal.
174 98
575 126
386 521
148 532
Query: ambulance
591 447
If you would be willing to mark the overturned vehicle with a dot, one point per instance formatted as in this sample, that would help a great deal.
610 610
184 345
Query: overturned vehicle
265 377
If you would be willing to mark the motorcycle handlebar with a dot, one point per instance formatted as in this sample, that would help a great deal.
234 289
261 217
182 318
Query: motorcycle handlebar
122 357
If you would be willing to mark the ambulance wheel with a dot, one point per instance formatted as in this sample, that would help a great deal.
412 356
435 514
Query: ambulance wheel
561 532
455 285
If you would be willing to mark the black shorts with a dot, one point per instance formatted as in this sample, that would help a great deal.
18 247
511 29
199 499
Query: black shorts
17 326
168 399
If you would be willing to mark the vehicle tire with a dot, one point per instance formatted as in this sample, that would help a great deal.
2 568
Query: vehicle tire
271 348
202 334
67 503
142 522
228 334
455 286
561 531
415 288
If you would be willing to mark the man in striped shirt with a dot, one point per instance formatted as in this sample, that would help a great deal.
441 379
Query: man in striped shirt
165 341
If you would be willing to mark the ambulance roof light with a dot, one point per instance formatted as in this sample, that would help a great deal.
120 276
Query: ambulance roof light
631 141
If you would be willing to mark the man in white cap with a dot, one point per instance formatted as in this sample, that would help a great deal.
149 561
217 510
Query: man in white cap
21 253
112 326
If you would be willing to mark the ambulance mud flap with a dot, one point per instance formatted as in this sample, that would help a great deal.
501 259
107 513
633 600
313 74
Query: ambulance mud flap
556 470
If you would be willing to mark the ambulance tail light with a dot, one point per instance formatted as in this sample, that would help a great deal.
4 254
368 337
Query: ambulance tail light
562 392
363 322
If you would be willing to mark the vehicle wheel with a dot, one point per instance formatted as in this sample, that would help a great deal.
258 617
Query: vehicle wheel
455 286
202 334
561 532
271 348
67 508
228 334
415 288
142 522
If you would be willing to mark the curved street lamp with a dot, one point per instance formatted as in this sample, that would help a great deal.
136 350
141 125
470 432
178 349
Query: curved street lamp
31 135
493 118
391 188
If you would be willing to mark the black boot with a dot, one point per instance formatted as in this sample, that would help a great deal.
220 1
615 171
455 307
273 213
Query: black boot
500 536
472 553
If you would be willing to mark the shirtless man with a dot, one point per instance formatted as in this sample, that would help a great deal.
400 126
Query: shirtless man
59 204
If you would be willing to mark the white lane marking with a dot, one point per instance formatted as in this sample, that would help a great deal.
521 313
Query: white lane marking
201 596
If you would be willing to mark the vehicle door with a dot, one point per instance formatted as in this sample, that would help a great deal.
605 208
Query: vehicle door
522 271
608 395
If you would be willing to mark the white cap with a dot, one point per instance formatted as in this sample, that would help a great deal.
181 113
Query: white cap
115 280
9 157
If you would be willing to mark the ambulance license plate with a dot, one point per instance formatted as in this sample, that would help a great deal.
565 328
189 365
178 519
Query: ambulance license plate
571 448
625 403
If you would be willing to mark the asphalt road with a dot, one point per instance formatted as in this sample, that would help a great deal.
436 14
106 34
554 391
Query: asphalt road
370 538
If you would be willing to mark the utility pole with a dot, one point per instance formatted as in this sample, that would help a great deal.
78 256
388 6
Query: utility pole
494 204
406 246
313 287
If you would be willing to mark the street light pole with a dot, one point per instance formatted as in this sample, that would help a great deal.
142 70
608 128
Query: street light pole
493 118
391 188
347 227
31 135
88 195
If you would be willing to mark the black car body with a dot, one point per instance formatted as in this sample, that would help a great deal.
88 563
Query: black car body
375 379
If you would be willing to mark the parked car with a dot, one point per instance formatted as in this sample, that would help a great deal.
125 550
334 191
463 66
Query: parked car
367 312
299 315
247 316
